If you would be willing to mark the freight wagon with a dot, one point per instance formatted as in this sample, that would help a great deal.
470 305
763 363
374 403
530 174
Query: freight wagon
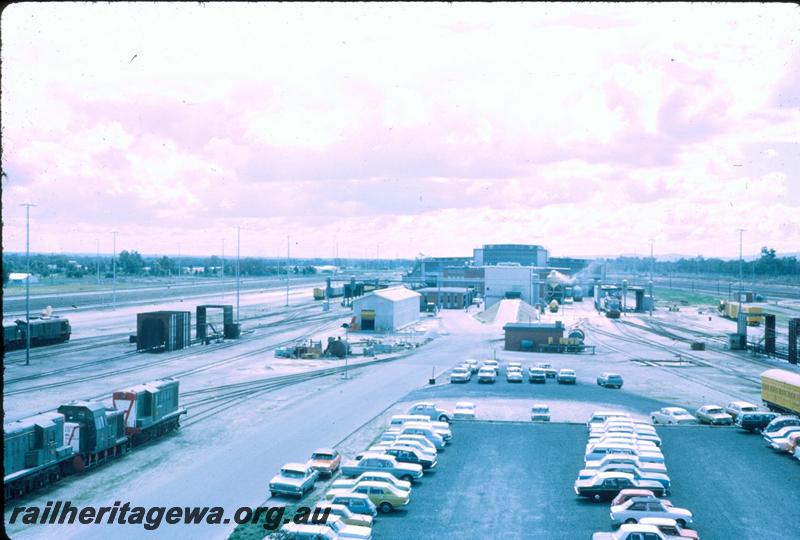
780 391
333 292
43 332
730 310
84 434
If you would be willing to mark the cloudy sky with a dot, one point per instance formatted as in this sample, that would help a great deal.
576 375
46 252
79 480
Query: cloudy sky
401 128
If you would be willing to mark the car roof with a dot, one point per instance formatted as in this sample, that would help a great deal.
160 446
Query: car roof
614 474
464 404
741 404
658 521
350 494
541 405
675 409
299 467
635 527
369 454
325 451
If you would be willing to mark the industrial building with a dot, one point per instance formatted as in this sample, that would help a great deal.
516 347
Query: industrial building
524 282
386 310
529 336
523 254
447 297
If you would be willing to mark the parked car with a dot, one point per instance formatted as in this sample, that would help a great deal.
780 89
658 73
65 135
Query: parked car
636 508
625 458
672 415
460 375
384 496
429 451
567 376
540 413
494 364
626 494
670 527
714 415
347 484
608 485
356 503
639 446
622 432
345 514
473 365
794 442
431 411
382 463
465 410
326 461
514 365
300 531
735 408
514 375
781 439
631 469
424 430
755 421
399 420
632 532
600 417
411 455
426 444
780 422
487 374
349 532
294 479
537 375
610 380
599 451
548 369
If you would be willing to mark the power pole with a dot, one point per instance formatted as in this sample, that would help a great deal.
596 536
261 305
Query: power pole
114 273
652 263
739 313
238 248
287 270
98 262
28 282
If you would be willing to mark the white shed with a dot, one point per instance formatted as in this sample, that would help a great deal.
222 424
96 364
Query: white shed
386 310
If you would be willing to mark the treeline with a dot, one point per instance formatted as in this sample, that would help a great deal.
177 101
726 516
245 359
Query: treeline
131 263
768 264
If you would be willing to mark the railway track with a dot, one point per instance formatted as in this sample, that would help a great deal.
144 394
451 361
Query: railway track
288 324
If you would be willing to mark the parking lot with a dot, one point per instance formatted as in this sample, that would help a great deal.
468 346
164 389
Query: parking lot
514 480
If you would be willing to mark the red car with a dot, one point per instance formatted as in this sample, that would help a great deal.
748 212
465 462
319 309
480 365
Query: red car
626 494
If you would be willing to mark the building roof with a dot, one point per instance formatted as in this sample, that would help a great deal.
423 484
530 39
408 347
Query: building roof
533 326
445 289
396 293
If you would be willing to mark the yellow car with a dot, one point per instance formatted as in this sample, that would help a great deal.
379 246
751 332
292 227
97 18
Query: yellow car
384 496
346 515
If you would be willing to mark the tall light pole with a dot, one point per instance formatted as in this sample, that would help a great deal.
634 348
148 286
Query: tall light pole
739 313
652 263
238 248
114 272
287 270
28 282
98 263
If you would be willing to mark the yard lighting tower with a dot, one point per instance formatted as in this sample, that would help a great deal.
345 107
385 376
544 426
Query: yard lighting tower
652 263
238 248
114 272
28 282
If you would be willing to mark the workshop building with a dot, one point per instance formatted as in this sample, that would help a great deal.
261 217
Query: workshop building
528 336
386 310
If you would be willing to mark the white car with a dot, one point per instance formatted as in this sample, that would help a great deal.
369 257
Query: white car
460 375
672 415
515 365
473 365
633 532
429 409
540 413
465 410
566 376
514 375
735 408
636 508
780 439
644 437
487 374
494 364
599 417
295 479
621 459
399 420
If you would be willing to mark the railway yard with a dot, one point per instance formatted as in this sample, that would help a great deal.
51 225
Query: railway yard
249 413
